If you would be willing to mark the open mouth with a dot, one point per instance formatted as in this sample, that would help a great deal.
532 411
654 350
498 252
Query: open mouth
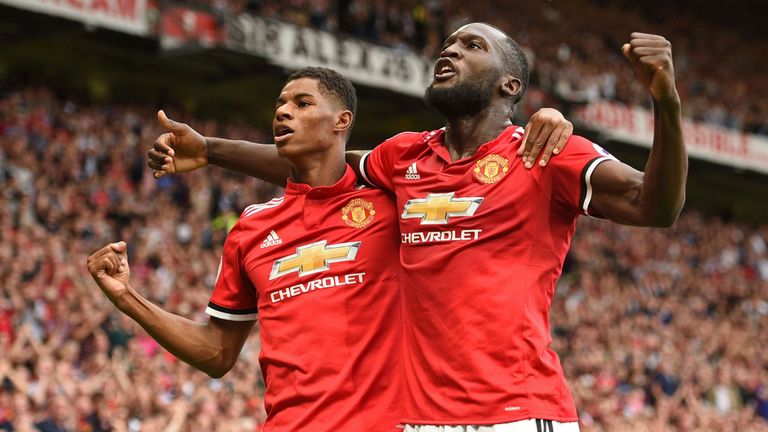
282 132
444 69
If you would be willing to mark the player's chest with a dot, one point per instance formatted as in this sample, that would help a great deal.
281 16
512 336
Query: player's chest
488 189
319 245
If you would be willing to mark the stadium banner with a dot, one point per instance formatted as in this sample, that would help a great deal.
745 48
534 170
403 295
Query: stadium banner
129 16
634 125
293 47
187 28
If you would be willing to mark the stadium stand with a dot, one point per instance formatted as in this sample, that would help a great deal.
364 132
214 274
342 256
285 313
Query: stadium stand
657 330
732 94
73 177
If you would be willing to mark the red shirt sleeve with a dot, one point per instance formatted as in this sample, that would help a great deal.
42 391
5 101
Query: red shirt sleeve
377 167
234 298
569 174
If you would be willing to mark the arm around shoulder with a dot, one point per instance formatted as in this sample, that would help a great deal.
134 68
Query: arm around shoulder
182 149
249 158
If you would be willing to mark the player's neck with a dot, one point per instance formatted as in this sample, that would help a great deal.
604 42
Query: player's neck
318 170
463 135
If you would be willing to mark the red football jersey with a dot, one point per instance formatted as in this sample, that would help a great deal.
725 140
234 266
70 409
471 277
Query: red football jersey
318 269
482 244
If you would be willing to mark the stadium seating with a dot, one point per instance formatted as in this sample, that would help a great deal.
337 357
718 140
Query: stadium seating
720 72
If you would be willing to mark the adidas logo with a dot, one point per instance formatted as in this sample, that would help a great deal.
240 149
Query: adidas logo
412 173
271 240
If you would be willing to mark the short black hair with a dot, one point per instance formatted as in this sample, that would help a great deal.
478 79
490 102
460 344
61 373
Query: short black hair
515 62
331 84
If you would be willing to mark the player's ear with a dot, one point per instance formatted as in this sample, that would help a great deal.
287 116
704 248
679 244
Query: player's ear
343 121
511 86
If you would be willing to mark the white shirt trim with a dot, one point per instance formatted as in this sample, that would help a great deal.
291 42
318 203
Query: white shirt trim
363 173
231 317
588 182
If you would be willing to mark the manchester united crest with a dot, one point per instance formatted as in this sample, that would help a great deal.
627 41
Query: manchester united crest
491 168
358 213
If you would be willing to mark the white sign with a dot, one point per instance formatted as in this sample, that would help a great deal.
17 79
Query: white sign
129 16
717 144
294 47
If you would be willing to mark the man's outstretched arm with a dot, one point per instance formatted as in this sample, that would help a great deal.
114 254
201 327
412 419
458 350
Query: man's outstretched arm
182 149
655 197
212 347
252 159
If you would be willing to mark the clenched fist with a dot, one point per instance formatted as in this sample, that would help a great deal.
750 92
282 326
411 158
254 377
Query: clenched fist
109 268
651 58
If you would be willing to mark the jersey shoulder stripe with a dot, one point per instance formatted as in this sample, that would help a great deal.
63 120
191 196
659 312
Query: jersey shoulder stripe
255 208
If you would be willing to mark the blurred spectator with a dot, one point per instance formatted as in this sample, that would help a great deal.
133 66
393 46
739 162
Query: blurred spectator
73 177
661 329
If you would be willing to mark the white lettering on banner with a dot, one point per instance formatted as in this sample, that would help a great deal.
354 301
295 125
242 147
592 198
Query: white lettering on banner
294 47
322 283
634 125
129 16
440 236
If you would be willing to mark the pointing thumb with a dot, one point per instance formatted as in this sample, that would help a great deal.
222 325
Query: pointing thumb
625 49
167 123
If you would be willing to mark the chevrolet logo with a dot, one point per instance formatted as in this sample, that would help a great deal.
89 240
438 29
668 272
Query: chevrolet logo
314 258
437 208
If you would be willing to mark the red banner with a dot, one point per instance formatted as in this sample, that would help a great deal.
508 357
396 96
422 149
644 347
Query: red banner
122 15
634 125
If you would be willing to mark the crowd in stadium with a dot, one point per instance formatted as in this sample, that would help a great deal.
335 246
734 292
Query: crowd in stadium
724 83
657 329
74 178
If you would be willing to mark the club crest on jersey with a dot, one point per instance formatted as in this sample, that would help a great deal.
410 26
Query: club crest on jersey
358 213
314 258
438 208
491 168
